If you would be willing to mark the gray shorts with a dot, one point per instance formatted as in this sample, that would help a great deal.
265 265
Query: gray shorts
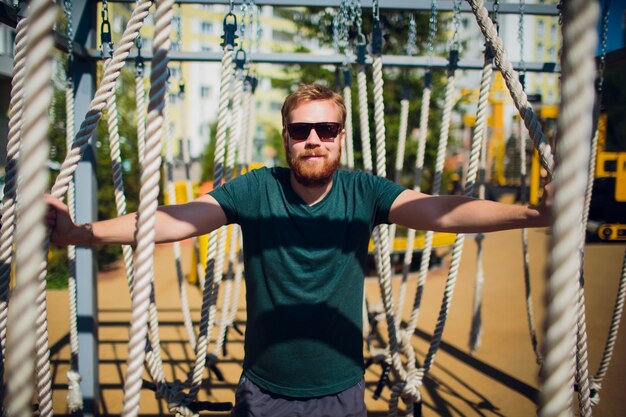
253 401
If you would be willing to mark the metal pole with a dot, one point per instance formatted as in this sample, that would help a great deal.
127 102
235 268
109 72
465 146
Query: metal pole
84 73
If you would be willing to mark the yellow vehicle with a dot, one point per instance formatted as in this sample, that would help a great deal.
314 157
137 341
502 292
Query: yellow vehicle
607 214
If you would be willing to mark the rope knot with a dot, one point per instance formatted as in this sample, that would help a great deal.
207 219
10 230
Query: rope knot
404 339
410 391
595 387
74 395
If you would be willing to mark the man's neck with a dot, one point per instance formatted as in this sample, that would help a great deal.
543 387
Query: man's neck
310 194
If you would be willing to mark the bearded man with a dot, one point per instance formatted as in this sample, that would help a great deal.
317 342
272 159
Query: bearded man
305 230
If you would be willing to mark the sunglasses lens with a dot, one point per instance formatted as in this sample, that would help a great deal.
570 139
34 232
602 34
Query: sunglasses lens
327 131
299 131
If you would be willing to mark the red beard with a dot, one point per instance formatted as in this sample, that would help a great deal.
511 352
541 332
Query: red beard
312 175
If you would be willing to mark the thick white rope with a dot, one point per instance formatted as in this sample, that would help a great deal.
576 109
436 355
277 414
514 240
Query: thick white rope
613 330
408 255
74 395
236 130
185 145
512 82
410 393
525 254
366 146
213 274
366 149
347 99
30 228
146 216
16 108
573 129
118 181
140 114
171 192
404 122
480 133
104 91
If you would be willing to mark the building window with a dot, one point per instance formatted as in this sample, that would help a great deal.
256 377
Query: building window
552 53
275 106
205 91
206 27
281 35
553 32
540 28
540 50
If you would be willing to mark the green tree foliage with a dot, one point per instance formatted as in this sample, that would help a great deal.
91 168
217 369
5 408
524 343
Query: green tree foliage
125 96
398 83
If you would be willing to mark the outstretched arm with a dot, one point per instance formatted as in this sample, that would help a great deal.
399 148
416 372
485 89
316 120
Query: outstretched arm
458 214
176 222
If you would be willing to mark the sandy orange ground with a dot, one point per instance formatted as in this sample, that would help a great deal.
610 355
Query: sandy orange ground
500 379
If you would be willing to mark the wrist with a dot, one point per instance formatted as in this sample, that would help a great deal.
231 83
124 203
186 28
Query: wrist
84 235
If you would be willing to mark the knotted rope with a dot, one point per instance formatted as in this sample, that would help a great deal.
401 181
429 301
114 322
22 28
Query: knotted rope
573 130
30 228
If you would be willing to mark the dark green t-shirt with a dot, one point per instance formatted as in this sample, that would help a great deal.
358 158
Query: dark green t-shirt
304 277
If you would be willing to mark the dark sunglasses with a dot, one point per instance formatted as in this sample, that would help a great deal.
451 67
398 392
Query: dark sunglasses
326 131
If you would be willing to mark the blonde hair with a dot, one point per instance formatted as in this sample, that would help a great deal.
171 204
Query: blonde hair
312 92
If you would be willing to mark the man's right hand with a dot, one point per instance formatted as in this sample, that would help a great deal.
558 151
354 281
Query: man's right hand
63 230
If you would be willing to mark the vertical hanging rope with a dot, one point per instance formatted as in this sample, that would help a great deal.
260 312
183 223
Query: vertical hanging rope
209 295
347 99
30 229
16 110
596 383
409 390
573 130
419 170
233 143
366 146
480 132
512 82
140 100
74 395
404 121
171 192
525 255
146 217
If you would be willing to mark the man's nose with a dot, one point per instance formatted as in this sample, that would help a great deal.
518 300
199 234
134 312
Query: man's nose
313 139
